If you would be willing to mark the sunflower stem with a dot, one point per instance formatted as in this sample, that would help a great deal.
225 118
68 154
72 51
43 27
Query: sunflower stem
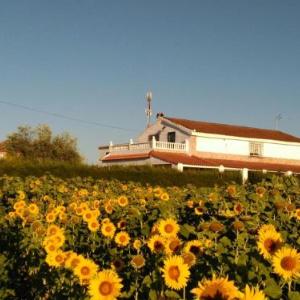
184 293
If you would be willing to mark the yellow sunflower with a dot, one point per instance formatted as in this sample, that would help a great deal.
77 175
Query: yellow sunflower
106 285
216 288
85 270
168 228
87 215
137 244
138 261
286 263
53 230
73 260
253 294
56 259
172 245
268 243
297 214
123 201
175 272
265 228
164 196
122 238
50 217
194 246
108 229
156 243
189 258
33 208
93 225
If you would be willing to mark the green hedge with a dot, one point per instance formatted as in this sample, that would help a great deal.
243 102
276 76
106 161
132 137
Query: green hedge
163 176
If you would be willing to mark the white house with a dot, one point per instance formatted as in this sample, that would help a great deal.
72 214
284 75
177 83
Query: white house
185 143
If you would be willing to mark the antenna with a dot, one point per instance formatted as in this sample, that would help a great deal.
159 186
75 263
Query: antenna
148 110
277 119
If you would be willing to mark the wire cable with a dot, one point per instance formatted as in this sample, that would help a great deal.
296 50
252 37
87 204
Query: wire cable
57 115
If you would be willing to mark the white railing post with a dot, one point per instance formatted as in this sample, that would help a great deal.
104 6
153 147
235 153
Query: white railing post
187 146
180 167
244 175
153 142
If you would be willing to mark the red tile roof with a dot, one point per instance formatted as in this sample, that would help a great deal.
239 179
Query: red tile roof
175 158
234 130
132 156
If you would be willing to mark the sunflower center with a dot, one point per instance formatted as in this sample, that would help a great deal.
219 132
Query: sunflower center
195 250
105 288
53 231
108 228
158 246
85 271
174 246
288 263
271 245
59 258
174 272
122 238
168 228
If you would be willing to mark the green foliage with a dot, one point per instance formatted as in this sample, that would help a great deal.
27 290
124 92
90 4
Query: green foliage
40 144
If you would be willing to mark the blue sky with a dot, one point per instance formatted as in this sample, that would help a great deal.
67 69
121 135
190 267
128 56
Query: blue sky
234 62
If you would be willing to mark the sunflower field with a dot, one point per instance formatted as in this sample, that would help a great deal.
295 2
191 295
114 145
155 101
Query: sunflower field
84 238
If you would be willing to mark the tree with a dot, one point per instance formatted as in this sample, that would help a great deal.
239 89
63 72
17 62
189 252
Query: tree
40 144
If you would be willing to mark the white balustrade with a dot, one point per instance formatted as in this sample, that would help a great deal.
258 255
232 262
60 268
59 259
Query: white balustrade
158 145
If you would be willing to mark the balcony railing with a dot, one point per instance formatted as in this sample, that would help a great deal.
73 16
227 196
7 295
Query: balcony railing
153 145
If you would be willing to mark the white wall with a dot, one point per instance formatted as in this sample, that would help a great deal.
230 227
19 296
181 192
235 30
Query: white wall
241 147
163 130
220 145
282 151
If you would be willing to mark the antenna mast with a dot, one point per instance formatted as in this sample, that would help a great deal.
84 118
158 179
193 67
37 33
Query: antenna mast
148 110
277 119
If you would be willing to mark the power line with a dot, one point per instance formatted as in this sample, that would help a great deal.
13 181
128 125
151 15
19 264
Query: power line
57 115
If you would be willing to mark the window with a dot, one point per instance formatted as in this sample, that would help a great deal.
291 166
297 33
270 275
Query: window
256 149
171 137
153 135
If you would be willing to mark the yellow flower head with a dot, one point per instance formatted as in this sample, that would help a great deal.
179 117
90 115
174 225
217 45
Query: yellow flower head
85 270
53 230
253 294
164 196
137 244
123 201
216 288
156 243
175 272
286 263
138 261
106 285
93 225
87 215
122 238
268 243
56 259
108 229
194 246
172 245
168 228
73 260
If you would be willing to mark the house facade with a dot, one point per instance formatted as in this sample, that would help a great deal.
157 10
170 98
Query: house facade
185 143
